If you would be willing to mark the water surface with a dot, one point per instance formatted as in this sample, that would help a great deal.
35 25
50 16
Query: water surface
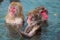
53 7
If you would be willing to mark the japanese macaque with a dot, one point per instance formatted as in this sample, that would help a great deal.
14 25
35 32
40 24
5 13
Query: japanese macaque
33 24
43 12
15 17
35 20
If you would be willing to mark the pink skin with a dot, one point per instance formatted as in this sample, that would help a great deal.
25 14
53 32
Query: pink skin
44 15
12 10
29 19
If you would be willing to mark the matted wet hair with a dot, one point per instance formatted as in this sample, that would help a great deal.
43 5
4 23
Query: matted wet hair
40 8
34 12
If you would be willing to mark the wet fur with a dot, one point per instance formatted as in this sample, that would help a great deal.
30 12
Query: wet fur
13 27
41 23
31 28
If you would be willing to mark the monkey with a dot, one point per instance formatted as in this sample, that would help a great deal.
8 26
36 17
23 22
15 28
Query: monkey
43 12
14 18
32 26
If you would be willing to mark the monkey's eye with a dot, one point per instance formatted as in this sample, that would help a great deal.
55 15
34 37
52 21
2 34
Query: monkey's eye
12 9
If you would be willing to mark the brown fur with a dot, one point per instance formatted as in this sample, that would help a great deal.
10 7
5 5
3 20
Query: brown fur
20 14
35 12
31 28
41 8
9 17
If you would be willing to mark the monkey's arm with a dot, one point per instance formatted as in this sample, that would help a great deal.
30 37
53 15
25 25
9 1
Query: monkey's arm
31 33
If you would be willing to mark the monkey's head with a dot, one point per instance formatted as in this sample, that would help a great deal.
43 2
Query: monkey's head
40 8
15 8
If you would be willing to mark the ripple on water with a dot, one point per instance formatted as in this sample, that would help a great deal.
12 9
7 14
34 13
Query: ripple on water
53 6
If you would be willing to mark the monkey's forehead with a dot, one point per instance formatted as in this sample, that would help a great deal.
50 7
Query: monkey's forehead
15 3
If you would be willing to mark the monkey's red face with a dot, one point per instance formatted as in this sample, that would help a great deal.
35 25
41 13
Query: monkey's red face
44 14
12 10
